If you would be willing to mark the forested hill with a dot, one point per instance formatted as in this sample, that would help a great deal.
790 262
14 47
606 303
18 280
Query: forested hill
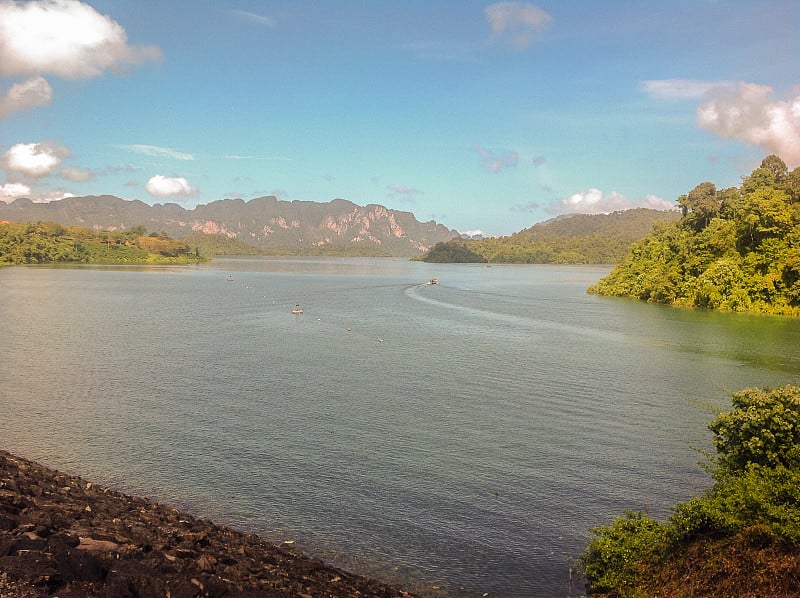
733 249
574 239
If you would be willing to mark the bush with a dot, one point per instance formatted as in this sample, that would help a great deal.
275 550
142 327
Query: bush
756 493
613 560
762 428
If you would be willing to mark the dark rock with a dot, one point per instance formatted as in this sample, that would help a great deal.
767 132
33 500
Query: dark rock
62 536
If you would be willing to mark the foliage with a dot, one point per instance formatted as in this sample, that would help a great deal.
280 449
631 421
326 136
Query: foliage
220 244
732 249
755 497
456 252
613 559
48 242
573 239
763 429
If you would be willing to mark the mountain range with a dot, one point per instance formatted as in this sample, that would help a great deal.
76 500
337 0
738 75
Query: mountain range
271 225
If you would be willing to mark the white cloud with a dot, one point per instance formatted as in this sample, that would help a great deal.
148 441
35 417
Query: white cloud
64 37
255 18
516 21
32 93
679 89
77 175
157 152
48 196
11 191
162 186
494 162
33 159
746 112
472 233
595 201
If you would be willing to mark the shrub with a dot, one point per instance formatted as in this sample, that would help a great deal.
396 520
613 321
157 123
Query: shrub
613 560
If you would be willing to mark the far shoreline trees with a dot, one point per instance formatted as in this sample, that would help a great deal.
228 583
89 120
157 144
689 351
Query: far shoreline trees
51 243
571 239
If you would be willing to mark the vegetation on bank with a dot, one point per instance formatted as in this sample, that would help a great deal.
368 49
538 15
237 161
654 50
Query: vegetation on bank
733 249
740 538
220 244
573 239
51 243
456 251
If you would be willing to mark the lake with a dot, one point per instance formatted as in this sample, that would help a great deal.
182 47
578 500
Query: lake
460 438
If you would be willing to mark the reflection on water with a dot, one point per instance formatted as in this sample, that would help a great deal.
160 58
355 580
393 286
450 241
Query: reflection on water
466 435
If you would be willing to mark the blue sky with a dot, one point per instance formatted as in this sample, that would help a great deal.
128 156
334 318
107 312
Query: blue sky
479 115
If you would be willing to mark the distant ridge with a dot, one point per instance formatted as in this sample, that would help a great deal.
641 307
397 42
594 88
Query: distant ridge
338 227
568 239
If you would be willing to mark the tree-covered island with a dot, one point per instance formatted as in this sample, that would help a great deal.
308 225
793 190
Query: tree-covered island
733 249
51 243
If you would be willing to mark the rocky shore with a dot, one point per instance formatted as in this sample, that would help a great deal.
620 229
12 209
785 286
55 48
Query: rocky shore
63 536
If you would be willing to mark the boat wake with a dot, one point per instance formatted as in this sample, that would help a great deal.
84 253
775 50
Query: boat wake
516 322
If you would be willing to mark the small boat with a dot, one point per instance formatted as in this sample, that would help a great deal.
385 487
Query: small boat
297 310
230 278
433 281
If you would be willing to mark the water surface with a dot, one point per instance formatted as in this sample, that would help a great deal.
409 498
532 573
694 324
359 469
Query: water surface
466 435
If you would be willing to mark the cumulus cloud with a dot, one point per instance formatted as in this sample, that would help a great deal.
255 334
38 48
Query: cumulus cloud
595 201
157 152
66 38
11 191
494 162
33 159
747 112
516 22
32 93
163 186
77 175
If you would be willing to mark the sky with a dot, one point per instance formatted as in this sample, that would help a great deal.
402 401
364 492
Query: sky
485 117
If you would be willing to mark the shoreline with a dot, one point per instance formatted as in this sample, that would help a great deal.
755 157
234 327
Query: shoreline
62 534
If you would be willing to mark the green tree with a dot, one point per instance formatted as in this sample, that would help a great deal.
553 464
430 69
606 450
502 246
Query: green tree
762 428
700 205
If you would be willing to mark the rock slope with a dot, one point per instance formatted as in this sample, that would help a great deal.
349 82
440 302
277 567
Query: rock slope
61 535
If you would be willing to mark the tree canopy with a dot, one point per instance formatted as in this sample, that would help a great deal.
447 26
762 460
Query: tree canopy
733 249
48 242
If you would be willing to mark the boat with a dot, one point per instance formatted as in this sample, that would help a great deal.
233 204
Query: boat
297 310
230 278
433 281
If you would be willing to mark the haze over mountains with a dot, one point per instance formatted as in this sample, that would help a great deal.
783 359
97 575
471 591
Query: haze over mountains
300 227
